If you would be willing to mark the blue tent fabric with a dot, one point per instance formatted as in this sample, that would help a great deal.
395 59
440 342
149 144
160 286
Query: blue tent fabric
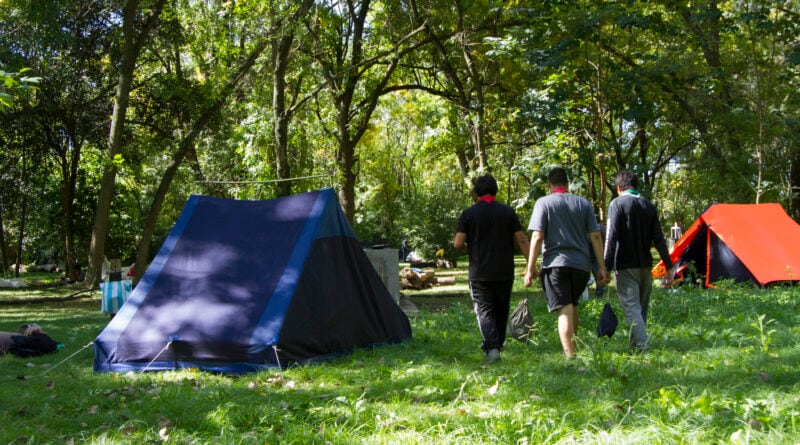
241 286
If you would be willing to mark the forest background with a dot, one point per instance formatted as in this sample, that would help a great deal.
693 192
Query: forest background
112 112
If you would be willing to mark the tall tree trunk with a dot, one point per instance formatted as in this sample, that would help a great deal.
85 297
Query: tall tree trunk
133 43
3 256
345 76
465 85
348 175
69 235
22 221
281 115
69 158
143 251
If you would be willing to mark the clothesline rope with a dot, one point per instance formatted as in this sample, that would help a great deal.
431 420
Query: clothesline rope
265 181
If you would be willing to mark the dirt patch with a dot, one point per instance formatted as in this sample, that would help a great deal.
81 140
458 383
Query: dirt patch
438 302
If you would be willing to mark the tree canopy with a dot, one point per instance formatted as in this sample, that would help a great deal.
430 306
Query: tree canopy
397 104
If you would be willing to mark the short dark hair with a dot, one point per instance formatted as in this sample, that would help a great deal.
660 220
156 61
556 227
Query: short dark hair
626 180
485 185
557 176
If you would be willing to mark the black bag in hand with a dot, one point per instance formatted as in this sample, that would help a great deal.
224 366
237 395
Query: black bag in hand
608 322
520 323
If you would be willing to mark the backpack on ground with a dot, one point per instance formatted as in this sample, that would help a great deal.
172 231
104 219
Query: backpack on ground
520 323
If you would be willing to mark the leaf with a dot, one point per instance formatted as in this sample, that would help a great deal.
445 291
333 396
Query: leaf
163 434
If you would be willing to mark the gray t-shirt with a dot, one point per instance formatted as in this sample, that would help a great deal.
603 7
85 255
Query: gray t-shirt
566 221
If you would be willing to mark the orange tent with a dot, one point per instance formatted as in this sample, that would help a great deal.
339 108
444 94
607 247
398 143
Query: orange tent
755 242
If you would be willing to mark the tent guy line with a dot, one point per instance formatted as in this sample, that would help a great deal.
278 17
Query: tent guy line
68 358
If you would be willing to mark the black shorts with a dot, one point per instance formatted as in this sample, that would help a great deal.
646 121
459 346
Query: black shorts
563 286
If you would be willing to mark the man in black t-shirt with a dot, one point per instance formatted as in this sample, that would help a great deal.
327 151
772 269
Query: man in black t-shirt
487 231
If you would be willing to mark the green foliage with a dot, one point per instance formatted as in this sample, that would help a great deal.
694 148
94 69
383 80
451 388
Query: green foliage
12 83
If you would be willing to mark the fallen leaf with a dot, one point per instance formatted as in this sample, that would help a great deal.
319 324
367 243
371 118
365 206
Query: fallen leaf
92 409
30 365
493 389
50 385
163 433
763 376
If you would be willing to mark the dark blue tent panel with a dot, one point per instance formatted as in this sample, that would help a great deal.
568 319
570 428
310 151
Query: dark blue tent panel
710 257
240 286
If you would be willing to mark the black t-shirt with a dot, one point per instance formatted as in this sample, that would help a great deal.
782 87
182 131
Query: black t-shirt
490 229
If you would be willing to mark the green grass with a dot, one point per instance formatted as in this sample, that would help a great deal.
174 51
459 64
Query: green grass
724 367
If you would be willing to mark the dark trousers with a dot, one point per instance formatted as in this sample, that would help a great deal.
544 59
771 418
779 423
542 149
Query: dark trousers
491 301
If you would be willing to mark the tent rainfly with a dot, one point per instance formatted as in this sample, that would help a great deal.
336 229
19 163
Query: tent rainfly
241 286
743 242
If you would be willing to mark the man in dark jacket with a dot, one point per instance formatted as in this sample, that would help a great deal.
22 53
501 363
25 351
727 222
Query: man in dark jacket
488 231
633 228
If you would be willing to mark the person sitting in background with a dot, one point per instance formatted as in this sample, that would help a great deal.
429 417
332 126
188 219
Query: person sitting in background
29 340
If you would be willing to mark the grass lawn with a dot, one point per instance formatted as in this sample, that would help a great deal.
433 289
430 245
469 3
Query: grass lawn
724 367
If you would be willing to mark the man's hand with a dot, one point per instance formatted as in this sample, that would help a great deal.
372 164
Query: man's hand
530 276
603 277
669 278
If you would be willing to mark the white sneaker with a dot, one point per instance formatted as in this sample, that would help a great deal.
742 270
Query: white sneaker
492 355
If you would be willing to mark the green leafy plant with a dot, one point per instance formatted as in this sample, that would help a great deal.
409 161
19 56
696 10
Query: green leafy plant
764 332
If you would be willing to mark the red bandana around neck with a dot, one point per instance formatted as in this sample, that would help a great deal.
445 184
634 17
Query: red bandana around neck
487 199
559 189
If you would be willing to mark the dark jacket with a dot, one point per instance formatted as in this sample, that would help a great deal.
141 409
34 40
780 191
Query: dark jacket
633 228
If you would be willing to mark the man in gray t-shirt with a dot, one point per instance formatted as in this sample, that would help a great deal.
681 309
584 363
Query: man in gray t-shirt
560 224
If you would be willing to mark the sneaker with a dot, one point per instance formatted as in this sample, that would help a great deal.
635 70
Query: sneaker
492 355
